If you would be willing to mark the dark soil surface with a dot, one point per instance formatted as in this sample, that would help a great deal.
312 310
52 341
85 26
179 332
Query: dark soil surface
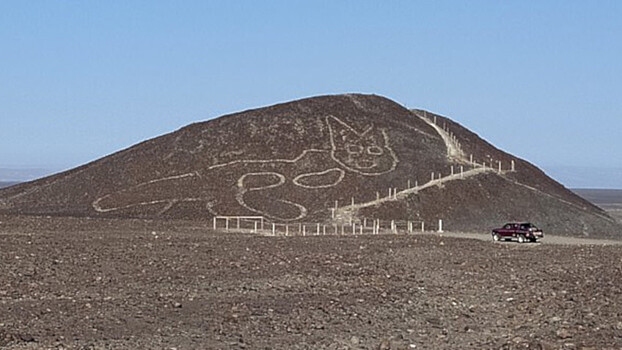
133 284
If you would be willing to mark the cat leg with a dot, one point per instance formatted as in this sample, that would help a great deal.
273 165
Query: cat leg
261 192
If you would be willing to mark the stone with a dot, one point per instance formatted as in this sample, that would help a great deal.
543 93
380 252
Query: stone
563 333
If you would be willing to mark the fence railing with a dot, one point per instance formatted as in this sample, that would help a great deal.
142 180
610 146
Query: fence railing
259 224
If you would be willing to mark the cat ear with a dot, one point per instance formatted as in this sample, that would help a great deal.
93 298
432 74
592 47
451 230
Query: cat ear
376 136
340 131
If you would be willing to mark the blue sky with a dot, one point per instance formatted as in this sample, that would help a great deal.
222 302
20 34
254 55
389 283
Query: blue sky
539 79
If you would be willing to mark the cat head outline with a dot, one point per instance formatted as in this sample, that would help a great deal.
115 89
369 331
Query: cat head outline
367 152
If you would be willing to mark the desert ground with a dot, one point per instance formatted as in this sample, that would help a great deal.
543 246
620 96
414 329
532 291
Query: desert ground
133 284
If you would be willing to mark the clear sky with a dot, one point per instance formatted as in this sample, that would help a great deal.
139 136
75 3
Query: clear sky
539 79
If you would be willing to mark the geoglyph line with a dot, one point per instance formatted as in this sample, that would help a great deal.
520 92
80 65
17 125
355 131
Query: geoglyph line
340 136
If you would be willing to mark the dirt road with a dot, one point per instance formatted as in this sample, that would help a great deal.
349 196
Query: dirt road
548 239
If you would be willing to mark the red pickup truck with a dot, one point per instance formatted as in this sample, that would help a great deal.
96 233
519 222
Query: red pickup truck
520 231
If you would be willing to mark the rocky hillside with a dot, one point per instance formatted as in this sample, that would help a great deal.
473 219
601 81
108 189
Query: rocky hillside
328 158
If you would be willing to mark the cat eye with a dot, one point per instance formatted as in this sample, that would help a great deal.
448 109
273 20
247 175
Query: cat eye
354 148
375 150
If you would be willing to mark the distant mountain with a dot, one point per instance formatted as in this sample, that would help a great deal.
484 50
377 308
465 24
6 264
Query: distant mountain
332 159
23 174
604 198
7 183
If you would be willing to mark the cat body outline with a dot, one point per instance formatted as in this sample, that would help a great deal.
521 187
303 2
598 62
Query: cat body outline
260 183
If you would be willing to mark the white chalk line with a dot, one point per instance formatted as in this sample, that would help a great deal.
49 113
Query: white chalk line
297 179
330 120
333 135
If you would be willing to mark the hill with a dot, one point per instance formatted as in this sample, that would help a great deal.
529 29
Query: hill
312 160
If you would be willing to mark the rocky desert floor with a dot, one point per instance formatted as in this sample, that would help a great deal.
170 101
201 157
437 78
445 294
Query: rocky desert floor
132 284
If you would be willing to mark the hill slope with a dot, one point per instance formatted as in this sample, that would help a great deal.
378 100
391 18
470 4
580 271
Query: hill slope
295 161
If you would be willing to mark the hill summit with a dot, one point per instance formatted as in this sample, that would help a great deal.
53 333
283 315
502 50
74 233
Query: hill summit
327 158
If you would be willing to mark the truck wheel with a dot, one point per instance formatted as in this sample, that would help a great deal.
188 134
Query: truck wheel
495 237
521 239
